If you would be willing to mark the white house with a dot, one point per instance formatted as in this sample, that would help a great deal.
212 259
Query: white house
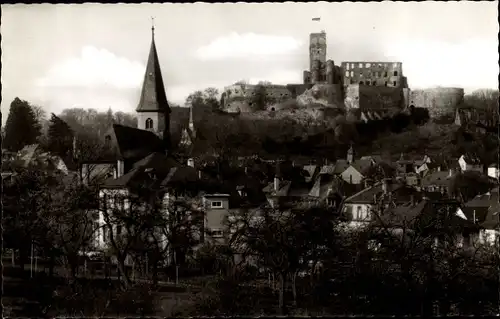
493 171
469 162
484 211
355 172
359 207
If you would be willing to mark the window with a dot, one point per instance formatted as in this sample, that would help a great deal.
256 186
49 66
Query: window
394 83
107 140
217 204
352 74
347 73
359 213
385 83
360 65
368 83
395 73
385 74
216 233
368 65
149 124
360 82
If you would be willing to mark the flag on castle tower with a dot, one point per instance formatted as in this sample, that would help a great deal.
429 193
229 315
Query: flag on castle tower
316 19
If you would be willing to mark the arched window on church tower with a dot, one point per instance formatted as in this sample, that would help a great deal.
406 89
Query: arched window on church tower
149 124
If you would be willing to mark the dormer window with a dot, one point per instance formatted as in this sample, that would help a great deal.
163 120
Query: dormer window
107 140
216 204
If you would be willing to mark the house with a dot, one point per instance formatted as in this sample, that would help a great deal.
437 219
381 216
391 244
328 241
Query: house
493 171
359 207
430 215
483 210
406 164
470 162
95 172
437 181
426 165
355 173
34 155
216 207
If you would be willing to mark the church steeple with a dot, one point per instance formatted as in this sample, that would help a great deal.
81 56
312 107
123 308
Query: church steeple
153 111
153 97
191 122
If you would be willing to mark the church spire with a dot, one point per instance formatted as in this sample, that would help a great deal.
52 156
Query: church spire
191 122
153 97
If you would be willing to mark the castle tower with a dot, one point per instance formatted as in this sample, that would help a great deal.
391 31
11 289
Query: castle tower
153 111
350 155
317 52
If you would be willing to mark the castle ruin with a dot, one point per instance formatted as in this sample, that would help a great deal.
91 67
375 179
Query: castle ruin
358 86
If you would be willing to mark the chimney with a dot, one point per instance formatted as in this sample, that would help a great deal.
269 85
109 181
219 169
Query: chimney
276 183
385 185
190 162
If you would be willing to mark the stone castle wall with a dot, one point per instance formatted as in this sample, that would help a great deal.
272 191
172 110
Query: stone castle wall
359 96
374 73
439 101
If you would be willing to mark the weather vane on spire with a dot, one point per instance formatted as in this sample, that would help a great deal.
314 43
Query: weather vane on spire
153 24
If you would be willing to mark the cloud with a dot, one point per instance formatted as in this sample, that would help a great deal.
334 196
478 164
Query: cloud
247 45
465 64
280 77
94 68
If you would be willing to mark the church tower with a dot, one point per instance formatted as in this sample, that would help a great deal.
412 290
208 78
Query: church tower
350 155
153 111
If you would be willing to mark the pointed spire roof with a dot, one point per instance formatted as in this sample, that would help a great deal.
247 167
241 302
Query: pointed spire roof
153 97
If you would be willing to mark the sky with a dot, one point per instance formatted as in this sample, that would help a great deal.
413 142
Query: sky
94 55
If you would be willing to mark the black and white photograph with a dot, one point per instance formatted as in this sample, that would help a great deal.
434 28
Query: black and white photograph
250 159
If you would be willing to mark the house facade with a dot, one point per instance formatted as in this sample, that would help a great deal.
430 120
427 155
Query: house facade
469 163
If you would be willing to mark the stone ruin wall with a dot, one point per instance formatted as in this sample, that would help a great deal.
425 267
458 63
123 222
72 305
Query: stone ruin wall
374 97
439 101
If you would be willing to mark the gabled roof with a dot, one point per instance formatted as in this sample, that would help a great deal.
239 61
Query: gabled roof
362 165
438 178
471 159
133 143
484 208
375 158
340 166
153 97
152 169
326 185
401 193
310 171
27 153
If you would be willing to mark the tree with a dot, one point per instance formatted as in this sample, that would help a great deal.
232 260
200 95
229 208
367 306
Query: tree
195 99
211 99
22 127
60 137
485 99
467 185
28 206
141 226
284 241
